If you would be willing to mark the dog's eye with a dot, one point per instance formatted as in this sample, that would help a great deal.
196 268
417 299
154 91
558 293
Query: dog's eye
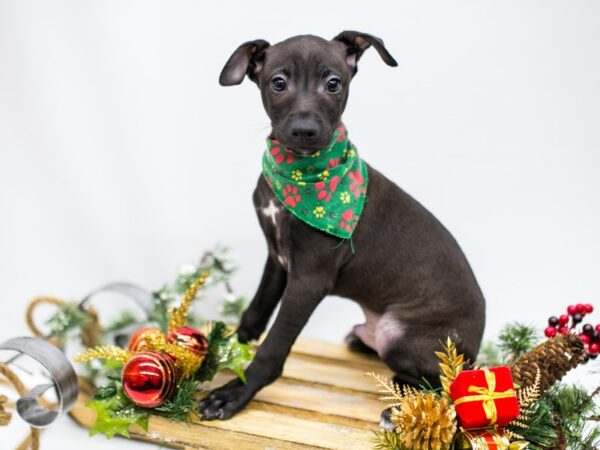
278 84
334 84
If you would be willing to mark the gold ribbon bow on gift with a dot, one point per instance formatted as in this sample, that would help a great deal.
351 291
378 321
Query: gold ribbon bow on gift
487 395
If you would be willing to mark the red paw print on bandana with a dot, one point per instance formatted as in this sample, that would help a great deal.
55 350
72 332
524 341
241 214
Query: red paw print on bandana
325 192
348 221
356 186
281 156
291 196
333 162
342 136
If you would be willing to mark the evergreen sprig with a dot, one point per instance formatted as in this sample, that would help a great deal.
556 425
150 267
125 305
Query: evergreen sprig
183 403
516 339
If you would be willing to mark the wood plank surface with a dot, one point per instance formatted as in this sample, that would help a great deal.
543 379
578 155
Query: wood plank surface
324 400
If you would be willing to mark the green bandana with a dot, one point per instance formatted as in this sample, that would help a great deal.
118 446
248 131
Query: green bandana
326 190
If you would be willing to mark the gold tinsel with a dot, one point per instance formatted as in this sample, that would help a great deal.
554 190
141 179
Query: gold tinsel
178 316
451 364
425 422
111 352
186 361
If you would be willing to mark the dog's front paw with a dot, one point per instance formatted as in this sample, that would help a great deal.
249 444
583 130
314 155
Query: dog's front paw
246 334
226 401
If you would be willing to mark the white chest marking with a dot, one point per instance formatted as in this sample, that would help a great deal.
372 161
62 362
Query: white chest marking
271 212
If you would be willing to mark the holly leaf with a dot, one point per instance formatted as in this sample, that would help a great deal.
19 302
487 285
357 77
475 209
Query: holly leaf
115 413
234 357
224 352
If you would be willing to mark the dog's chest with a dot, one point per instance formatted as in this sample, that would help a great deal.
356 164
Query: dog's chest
272 217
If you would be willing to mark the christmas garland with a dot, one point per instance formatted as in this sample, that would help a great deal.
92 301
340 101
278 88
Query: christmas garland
518 404
155 366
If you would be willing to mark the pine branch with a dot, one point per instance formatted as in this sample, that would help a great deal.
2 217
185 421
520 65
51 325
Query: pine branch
516 339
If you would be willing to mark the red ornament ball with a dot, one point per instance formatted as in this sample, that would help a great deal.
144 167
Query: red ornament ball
149 379
550 331
571 309
589 308
137 341
563 319
594 349
190 338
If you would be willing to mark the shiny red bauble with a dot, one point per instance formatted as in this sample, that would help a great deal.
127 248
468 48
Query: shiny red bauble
138 343
149 379
550 331
189 338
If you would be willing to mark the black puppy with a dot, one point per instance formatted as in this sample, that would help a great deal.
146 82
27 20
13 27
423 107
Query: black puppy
405 269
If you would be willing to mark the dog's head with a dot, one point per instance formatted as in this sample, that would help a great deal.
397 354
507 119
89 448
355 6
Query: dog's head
304 82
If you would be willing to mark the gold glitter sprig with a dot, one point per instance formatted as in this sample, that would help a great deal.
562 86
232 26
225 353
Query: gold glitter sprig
178 316
186 362
111 352
451 364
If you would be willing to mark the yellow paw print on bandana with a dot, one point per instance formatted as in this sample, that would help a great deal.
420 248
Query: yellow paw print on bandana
319 212
351 153
297 175
324 175
345 197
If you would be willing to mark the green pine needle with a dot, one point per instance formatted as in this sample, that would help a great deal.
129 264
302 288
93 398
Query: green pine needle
183 403
68 319
516 339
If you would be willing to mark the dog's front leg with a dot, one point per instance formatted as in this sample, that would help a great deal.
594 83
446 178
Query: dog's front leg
301 297
257 315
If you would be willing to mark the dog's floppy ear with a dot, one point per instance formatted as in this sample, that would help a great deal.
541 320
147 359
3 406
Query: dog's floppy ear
246 60
356 44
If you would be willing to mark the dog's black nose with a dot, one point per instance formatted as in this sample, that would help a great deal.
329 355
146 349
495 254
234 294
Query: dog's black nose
305 129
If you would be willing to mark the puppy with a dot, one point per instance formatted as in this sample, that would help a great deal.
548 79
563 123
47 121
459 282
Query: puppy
336 226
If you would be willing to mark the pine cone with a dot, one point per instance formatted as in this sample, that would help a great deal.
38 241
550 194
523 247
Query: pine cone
425 422
554 358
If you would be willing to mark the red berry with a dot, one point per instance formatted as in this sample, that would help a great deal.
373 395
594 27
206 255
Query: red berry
563 319
563 330
550 332
571 310
594 349
598 328
580 308
589 308
585 338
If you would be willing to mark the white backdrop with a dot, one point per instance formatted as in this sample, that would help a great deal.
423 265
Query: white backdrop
121 157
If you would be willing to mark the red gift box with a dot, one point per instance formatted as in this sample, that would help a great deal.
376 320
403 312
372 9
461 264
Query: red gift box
483 398
487 439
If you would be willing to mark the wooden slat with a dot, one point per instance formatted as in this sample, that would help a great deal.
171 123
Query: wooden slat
336 352
352 406
324 400
349 378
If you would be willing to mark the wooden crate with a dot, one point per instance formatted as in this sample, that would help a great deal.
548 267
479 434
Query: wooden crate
324 400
